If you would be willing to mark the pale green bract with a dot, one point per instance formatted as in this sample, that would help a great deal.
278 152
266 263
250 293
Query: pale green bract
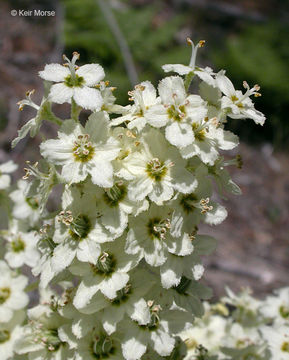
119 258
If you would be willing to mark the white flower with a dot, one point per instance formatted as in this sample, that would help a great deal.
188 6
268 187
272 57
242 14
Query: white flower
153 328
5 169
197 206
12 295
34 124
240 337
144 96
108 274
209 137
99 345
177 111
208 333
21 248
44 267
25 207
78 233
40 338
42 184
222 176
153 235
73 82
277 307
156 170
188 266
10 333
239 105
113 205
278 341
83 151
205 74
112 311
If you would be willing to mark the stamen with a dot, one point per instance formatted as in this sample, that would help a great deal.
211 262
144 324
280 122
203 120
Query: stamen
65 217
205 207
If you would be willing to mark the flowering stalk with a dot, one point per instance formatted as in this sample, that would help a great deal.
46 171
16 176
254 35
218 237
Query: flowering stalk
136 183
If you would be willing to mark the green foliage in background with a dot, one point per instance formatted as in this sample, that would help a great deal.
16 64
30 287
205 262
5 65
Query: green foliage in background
260 54
150 37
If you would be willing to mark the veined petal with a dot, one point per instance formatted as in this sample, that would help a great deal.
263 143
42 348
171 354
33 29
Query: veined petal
54 72
226 139
88 98
88 251
97 127
140 188
225 85
180 135
102 173
183 180
85 292
172 89
110 285
57 151
73 172
157 116
162 342
60 93
134 345
92 73
255 115
177 68
171 271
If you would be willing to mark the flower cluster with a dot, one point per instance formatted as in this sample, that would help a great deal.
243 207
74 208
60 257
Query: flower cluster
123 245
241 327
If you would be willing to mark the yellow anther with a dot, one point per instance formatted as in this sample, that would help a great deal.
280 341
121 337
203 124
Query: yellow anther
202 43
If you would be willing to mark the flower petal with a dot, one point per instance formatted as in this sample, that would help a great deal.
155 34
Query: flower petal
92 73
54 72
60 93
88 98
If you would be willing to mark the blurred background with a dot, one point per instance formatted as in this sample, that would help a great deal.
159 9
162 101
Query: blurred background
132 39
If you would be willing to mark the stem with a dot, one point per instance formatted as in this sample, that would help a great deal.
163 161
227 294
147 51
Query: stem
48 115
122 43
32 286
75 110
188 80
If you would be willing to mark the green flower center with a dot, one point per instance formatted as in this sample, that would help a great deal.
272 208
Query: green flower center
156 169
4 336
188 202
4 294
105 264
51 340
80 227
157 228
122 295
284 311
200 133
114 195
83 150
154 319
74 81
17 245
183 285
102 346
285 346
176 113
32 202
